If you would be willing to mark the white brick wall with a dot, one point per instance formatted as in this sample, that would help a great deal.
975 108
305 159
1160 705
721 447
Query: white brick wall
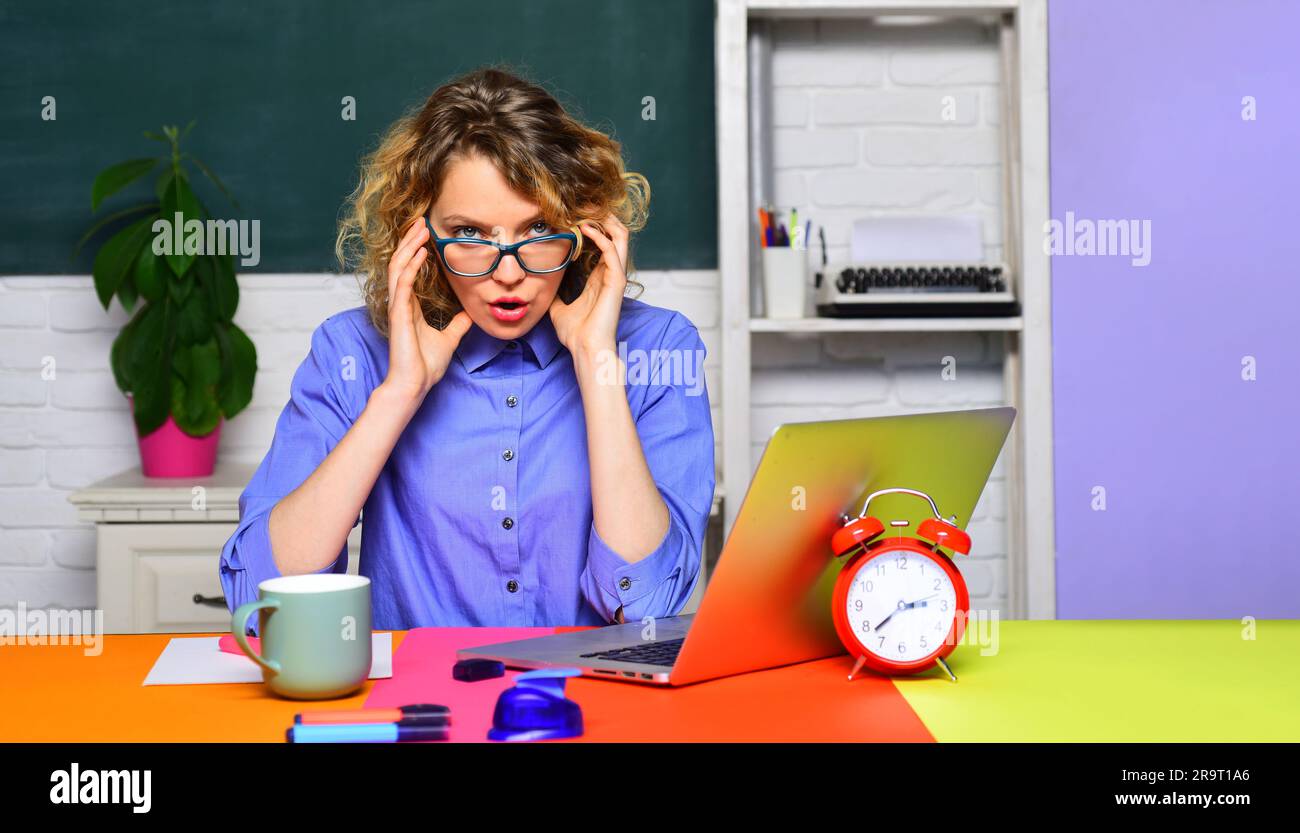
60 435
873 119
859 129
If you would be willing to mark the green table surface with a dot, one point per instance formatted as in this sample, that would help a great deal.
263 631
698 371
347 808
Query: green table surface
1110 680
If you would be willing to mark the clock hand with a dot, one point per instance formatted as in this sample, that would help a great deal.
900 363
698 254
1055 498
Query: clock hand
882 622
903 606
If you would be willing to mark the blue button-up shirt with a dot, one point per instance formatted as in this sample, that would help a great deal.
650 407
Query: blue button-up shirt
482 515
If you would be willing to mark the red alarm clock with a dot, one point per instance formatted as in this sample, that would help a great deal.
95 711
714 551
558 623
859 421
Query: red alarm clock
899 605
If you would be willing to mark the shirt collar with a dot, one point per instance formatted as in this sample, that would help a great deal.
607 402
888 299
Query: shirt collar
477 348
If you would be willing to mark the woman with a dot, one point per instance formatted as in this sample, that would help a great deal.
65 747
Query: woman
481 405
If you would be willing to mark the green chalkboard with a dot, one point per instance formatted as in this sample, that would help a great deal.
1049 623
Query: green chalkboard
265 82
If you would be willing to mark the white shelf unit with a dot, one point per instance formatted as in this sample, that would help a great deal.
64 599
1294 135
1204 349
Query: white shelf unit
886 325
741 54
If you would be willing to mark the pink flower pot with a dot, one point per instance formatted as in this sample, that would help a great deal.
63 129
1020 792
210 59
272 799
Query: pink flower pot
170 452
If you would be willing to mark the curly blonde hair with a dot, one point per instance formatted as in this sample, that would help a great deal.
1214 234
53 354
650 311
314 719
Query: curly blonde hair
572 172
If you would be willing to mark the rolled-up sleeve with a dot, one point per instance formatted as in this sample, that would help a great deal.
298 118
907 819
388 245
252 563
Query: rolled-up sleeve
322 405
676 432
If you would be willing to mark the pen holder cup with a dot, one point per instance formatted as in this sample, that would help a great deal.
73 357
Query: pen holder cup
785 282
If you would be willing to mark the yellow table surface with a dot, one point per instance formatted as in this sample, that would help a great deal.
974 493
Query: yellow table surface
1109 680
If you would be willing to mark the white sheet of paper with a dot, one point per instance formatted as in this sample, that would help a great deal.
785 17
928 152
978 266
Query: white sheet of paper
199 659
929 239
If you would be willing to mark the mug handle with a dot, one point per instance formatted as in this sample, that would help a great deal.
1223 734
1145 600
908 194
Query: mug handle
239 624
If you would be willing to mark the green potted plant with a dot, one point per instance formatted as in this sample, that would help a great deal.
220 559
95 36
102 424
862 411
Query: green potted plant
181 361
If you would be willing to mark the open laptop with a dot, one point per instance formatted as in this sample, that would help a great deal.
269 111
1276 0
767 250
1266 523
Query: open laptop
768 602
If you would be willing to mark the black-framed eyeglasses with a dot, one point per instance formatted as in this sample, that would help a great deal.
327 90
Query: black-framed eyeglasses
474 257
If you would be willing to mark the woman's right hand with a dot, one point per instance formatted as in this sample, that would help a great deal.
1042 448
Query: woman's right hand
418 354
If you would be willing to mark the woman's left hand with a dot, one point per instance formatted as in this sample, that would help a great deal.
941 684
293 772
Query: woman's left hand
590 323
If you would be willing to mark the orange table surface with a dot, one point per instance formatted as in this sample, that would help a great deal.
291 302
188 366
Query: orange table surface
57 693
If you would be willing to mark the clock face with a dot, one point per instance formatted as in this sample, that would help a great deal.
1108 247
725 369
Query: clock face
901 606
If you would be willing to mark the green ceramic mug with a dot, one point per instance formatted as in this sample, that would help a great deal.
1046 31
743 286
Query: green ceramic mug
315 633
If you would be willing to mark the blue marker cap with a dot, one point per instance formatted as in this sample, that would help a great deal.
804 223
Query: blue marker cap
536 708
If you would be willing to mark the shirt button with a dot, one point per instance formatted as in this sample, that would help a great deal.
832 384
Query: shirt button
625 583
508 454
507 522
512 401
512 586
512 344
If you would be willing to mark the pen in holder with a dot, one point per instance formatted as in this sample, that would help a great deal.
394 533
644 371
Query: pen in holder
785 281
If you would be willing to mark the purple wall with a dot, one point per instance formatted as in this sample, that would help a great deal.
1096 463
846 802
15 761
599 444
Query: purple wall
1201 469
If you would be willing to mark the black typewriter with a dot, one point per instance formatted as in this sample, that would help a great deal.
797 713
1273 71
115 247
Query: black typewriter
914 290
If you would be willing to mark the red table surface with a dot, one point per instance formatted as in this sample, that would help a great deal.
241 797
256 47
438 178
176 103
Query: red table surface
58 693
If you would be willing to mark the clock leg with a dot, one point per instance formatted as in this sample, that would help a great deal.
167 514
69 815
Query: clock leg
944 665
857 666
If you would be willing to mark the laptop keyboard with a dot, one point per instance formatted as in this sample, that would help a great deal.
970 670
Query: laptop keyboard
646 653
